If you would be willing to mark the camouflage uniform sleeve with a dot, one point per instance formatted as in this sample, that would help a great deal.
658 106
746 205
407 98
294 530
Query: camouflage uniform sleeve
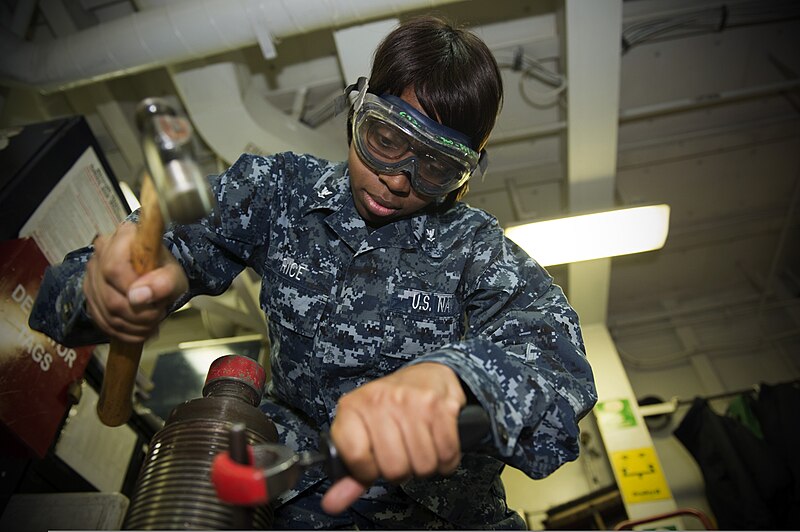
215 250
522 356
211 252
59 310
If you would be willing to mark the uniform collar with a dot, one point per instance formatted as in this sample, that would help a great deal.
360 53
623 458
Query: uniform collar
427 230
331 191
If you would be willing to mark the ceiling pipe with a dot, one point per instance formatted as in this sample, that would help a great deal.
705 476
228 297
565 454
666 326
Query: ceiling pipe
177 32
706 100
664 108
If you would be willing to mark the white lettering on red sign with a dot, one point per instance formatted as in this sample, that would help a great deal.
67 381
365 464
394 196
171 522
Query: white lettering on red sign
38 352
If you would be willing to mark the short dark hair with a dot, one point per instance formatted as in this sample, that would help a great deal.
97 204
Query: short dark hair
454 74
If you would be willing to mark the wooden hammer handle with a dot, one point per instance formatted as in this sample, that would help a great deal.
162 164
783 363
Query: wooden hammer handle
115 404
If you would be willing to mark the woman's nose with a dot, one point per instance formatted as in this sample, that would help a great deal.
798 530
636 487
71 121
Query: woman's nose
399 184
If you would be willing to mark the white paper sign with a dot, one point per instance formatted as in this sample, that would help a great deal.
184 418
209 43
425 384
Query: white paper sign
82 205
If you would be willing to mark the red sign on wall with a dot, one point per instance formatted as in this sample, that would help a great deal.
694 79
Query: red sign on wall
35 371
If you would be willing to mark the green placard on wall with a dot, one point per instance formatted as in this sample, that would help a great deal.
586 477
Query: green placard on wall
616 413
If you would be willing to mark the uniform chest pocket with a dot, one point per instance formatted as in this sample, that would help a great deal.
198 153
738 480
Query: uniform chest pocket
419 321
292 303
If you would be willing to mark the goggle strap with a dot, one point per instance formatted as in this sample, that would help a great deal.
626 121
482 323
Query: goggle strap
337 105
483 164
361 86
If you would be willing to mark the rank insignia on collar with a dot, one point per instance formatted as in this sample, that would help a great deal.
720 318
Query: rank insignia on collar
325 192
429 234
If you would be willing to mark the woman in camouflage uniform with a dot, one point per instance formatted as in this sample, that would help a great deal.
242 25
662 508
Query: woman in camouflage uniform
391 303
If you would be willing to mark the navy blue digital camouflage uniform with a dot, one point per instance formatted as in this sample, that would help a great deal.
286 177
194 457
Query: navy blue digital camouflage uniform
347 305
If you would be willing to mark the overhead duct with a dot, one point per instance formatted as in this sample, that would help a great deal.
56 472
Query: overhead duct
232 119
176 32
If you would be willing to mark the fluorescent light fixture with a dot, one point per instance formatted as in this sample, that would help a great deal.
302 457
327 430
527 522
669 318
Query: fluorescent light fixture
593 236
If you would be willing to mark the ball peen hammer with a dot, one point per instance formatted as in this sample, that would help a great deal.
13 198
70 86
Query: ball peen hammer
174 191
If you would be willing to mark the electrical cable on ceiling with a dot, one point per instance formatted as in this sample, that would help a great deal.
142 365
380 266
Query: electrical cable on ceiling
529 67
709 20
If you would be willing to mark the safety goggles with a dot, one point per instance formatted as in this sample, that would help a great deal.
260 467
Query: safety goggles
392 137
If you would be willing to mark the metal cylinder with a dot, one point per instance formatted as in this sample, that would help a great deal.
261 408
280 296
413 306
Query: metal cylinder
174 489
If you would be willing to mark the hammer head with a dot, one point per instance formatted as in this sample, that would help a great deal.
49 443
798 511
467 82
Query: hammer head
183 192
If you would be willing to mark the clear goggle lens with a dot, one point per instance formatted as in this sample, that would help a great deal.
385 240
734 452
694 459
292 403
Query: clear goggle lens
392 148
391 137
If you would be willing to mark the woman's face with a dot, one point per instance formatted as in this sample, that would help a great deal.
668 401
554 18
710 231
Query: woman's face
380 198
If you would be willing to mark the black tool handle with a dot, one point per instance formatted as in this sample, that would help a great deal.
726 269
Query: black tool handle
473 426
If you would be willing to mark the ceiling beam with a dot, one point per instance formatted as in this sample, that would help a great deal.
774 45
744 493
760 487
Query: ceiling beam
593 58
